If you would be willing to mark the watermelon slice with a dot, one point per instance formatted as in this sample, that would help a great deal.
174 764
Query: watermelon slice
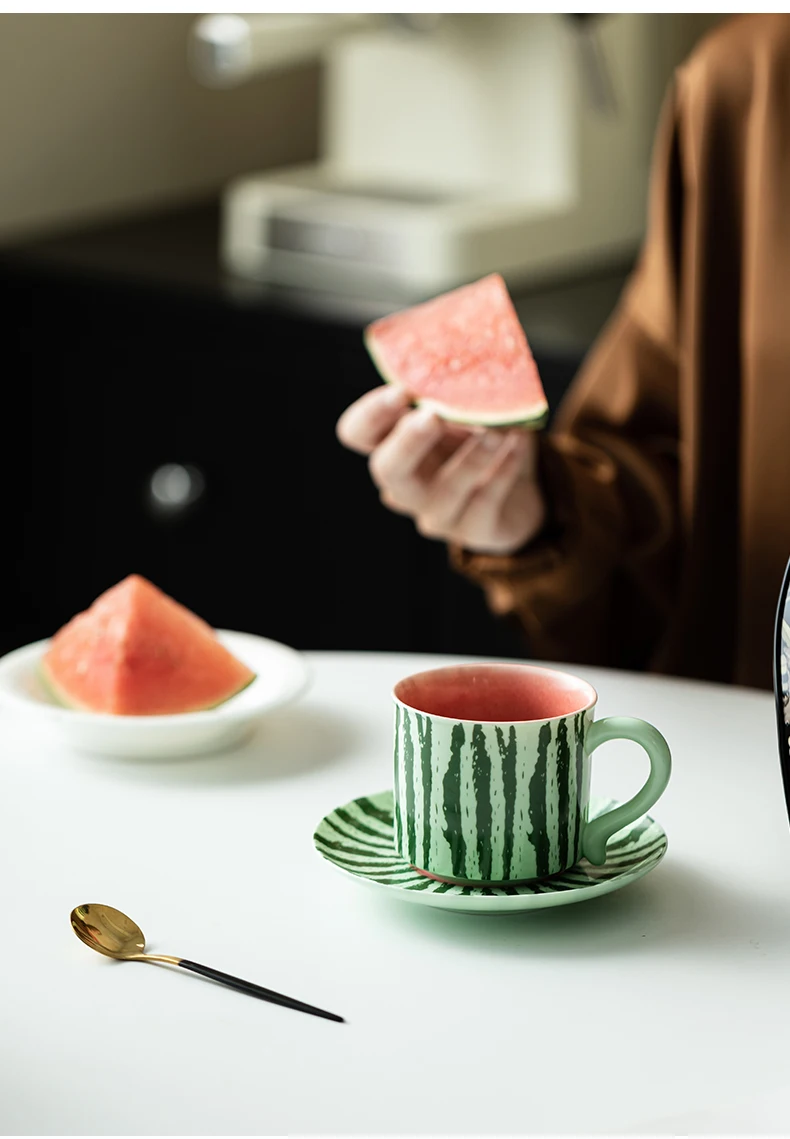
137 652
464 355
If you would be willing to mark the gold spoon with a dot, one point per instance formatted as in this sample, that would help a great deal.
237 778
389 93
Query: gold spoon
112 933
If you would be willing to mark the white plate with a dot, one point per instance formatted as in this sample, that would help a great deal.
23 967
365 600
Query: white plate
281 676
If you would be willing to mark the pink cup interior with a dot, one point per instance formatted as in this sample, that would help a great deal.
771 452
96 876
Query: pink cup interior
501 693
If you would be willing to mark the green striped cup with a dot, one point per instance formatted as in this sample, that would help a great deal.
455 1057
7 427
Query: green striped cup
492 772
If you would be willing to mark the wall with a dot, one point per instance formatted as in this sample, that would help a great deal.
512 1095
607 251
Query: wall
99 114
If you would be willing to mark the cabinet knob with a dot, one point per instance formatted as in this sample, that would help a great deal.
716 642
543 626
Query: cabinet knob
174 487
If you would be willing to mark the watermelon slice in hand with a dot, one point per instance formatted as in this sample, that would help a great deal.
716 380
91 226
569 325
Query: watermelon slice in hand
464 355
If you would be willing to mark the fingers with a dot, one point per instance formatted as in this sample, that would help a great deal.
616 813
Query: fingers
370 419
507 511
473 486
516 460
484 468
395 465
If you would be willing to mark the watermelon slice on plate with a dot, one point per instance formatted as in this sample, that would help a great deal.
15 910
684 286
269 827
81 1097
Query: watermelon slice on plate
464 355
137 652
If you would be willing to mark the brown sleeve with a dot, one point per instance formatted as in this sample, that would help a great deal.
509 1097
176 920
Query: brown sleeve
598 585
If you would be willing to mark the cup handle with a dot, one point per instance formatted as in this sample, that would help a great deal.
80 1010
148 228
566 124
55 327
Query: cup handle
600 830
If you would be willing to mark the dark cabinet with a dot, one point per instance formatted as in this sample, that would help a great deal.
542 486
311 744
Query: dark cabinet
154 425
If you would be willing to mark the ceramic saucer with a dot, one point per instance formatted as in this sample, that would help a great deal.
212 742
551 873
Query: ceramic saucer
358 840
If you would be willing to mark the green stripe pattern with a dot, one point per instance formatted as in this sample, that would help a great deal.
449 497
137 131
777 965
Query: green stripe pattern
359 839
487 802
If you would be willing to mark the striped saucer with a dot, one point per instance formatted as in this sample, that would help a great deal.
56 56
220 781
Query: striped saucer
358 840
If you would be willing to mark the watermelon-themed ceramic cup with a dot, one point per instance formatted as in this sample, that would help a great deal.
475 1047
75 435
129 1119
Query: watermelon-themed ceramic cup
492 772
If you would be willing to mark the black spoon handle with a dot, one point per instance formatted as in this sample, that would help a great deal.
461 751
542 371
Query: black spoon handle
256 990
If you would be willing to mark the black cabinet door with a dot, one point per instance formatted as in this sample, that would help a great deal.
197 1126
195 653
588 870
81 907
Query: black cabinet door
117 392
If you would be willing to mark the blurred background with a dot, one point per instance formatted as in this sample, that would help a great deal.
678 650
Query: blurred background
198 216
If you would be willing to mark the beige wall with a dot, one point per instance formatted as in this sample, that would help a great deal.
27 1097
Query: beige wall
99 114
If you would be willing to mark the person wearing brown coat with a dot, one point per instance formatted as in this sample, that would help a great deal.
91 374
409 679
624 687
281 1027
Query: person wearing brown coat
650 526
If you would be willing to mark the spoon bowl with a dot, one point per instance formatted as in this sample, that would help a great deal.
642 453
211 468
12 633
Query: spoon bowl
108 931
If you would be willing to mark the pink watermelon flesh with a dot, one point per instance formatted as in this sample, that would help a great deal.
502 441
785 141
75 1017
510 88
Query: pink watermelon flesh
464 355
137 652
494 693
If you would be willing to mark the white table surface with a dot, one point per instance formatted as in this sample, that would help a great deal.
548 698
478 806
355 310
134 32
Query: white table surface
661 1009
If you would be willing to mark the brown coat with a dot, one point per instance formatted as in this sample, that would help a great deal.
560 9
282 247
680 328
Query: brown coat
668 468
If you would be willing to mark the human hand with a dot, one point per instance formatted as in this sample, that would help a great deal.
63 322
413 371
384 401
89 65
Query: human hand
473 487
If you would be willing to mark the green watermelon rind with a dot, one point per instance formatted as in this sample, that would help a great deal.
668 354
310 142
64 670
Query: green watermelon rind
60 699
524 417
531 418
